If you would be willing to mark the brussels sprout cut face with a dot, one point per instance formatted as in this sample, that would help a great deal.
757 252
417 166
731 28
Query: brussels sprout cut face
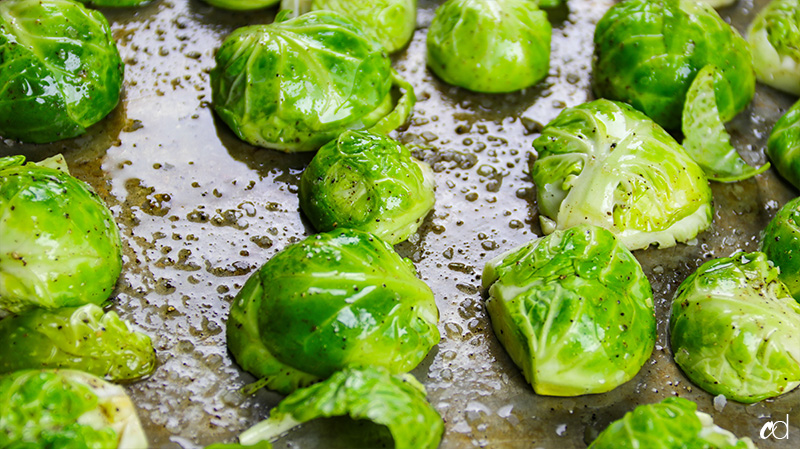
783 145
647 52
574 310
60 73
367 182
735 329
781 244
489 46
606 164
774 37
337 299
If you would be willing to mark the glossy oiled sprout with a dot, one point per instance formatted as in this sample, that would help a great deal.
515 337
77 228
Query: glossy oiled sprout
368 182
783 145
490 46
781 244
115 3
735 329
574 310
647 52
774 37
60 70
606 164
242 5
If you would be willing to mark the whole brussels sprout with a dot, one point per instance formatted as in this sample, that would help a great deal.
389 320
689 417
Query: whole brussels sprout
491 46
647 52
783 145
774 37
781 244
242 5
336 299
115 3
59 245
390 22
295 85
673 423
66 409
367 182
61 69
574 310
735 329
606 164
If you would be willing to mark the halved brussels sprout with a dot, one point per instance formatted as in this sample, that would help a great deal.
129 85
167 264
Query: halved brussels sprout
367 182
647 52
391 22
491 46
735 329
783 145
61 71
774 37
66 409
396 401
297 84
606 164
673 423
242 5
336 299
59 245
82 338
574 310
781 244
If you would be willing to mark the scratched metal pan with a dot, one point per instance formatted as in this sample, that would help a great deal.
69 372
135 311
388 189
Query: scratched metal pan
200 210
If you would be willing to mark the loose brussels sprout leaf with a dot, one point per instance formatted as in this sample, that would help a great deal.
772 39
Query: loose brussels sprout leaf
242 5
59 245
735 329
647 52
396 401
774 37
606 164
295 85
368 182
574 310
673 423
783 145
781 244
66 408
82 338
705 137
336 299
717 4
489 46
390 22
61 71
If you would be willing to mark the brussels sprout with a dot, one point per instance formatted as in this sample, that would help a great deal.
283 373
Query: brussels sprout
574 310
783 145
673 423
337 299
82 338
647 52
735 329
717 4
390 22
607 164
774 37
115 3
781 244
396 401
489 46
242 5
59 245
61 71
66 409
367 182
295 85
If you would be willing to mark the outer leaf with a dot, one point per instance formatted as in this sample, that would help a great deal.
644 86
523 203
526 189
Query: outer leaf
115 3
242 5
783 145
774 37
781 244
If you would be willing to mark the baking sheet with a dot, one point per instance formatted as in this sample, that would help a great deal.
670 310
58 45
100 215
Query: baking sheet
200 210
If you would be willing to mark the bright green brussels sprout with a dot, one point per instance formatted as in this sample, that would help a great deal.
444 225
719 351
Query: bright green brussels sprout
368 182
242 5
372 393
717 4
574 310
336 299
66 409
489 46
61 71
391 22
82 338
774 37
606 164
673 423
295 85
783 145
59 245
114 3
735 329
781 244
647 52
